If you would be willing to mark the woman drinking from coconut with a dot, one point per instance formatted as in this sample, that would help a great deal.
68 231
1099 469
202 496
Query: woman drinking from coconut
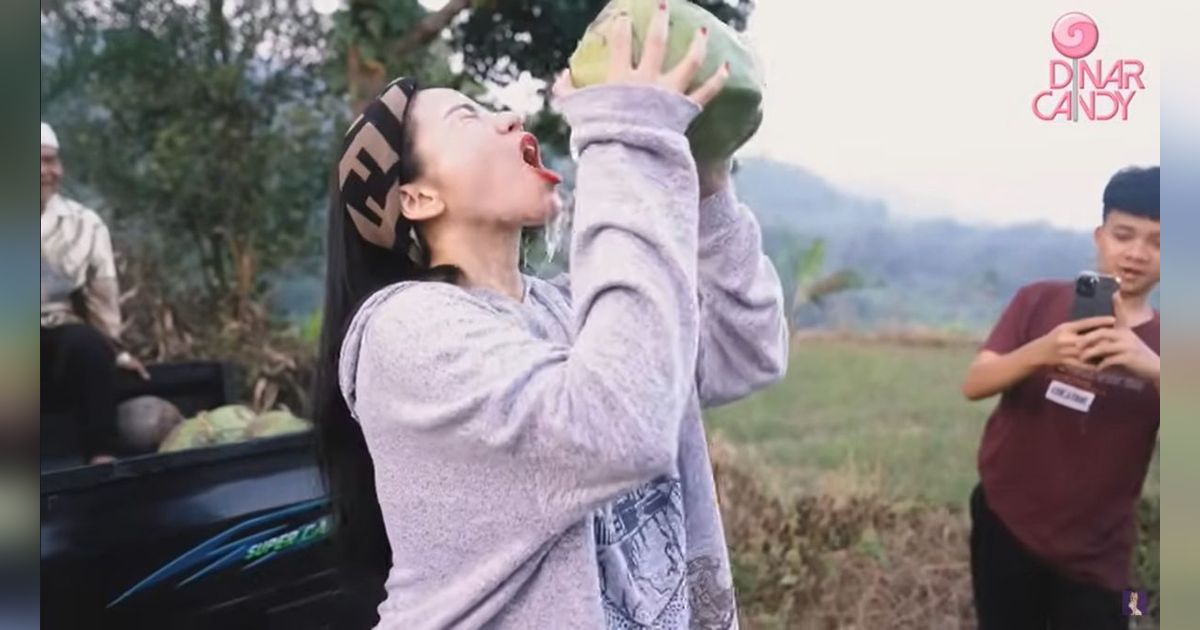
517 453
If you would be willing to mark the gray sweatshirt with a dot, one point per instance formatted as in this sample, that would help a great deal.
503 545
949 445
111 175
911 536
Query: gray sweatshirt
542 463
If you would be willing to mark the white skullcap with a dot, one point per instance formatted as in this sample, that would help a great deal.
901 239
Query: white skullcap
49 138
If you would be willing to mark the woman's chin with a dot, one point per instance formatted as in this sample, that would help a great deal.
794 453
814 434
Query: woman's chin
538 221
548 208
535 207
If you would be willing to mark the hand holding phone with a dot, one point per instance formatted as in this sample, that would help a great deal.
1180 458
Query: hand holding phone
1094 298
1065 344
1094 295
1119 346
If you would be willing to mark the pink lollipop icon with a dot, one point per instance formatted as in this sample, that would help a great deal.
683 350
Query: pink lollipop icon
1075 35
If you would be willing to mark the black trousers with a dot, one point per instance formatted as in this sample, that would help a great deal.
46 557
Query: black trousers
79 400
1016 591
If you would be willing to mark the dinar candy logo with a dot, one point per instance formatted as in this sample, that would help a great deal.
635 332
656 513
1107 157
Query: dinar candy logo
1091 88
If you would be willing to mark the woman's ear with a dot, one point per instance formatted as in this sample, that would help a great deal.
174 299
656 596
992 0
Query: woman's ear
420 203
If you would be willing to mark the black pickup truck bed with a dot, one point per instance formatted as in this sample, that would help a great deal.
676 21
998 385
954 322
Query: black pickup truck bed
233 536
230 536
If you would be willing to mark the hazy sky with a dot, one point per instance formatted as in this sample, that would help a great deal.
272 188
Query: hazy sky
927 104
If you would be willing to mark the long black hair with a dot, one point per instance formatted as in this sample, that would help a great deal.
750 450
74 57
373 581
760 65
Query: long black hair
356 268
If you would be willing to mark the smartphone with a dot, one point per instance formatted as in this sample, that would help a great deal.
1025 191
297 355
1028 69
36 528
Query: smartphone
1094 295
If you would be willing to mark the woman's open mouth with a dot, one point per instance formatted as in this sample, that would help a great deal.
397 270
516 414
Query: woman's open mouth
531 153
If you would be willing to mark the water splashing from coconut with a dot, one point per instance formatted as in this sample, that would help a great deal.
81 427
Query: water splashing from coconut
556 226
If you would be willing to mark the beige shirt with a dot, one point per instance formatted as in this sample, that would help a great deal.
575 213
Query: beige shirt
79 275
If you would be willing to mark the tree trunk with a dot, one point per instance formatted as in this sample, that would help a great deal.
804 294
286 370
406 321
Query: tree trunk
428 28
366 77
219 31
242 252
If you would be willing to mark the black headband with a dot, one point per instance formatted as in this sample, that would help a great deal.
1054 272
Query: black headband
369 169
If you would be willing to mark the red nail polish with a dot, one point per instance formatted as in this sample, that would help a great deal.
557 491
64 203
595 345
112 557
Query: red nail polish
704 30
662 6
726 66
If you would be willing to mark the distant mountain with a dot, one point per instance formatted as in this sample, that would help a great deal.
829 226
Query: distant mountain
785 196
935 272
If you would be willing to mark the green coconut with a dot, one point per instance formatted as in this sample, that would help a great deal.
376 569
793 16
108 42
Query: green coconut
274 423
230 422
732 117
191 433
222 425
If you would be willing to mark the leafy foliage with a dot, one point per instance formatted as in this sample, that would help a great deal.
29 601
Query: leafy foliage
372 41
810 287
501 39
201 129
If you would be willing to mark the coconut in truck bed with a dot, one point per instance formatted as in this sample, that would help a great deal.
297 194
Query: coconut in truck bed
227 536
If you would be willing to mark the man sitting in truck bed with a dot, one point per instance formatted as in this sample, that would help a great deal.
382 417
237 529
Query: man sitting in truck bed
80 319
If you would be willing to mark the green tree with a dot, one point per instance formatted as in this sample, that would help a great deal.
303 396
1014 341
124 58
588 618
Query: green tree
500 39
374 41
202 128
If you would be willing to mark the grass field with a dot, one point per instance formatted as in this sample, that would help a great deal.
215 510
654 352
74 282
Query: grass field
863 416
860 416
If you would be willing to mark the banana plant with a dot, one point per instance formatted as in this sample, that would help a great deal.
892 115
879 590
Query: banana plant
811 286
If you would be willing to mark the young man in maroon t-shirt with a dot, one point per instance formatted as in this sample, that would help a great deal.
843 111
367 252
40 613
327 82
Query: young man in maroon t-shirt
1066 451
